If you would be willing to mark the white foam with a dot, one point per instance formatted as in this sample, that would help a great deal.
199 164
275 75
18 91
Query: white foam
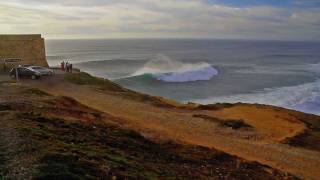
305 97
168 70
314 67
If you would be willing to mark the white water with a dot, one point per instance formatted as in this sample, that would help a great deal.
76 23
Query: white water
165 69
305 97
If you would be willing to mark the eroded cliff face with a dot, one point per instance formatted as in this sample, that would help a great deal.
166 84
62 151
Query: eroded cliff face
29 48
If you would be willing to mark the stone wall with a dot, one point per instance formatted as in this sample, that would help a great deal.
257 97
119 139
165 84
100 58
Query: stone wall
29 48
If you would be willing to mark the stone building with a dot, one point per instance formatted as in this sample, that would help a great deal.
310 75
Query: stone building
30 49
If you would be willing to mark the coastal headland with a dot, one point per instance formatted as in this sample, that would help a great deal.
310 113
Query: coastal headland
76 125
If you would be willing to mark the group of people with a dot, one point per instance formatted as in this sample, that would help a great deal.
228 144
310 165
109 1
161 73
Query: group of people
66 66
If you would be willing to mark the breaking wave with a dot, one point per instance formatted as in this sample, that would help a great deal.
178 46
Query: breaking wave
304 97
165 69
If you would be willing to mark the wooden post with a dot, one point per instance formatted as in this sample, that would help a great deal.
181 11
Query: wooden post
17 75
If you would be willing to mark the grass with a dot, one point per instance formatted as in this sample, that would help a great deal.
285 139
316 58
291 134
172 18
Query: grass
216 106
232 123
107 86
236 124
62 146
34 91
4 107
307 138
4 155
3 159
75 150
83 78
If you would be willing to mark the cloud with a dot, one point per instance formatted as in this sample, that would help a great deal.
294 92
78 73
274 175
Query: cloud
157 18
307 3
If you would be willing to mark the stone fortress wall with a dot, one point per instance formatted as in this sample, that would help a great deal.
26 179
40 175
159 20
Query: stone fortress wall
29 48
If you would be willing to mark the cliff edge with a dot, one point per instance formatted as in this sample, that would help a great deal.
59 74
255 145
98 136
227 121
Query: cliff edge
77 125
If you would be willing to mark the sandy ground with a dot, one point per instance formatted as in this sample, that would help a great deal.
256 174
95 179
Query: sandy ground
262 144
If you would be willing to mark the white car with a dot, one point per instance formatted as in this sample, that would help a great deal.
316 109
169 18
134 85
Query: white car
42 70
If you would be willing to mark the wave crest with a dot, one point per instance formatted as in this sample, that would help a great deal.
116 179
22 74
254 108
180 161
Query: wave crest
165 69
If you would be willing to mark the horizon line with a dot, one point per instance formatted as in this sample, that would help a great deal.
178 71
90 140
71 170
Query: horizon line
183 38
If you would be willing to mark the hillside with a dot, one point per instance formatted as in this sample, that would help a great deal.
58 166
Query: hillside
76 125
45 136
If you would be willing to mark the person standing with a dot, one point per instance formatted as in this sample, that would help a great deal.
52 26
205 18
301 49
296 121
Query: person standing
70 67
62 66
67 66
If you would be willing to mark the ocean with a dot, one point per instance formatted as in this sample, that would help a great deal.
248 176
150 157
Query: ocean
280 73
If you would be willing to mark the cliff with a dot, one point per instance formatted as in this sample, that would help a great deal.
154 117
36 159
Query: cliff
78 126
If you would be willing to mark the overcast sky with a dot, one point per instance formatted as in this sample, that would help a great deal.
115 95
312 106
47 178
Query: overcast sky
232 19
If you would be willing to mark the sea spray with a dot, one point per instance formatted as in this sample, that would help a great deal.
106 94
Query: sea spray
247 69
168 70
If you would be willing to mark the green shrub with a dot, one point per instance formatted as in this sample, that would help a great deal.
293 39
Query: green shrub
83 78
35 91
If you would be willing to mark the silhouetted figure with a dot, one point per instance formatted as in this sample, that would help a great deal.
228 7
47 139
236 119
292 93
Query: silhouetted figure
62 66
67 66
70 68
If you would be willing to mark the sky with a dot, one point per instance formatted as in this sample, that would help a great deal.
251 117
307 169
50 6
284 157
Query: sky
218 19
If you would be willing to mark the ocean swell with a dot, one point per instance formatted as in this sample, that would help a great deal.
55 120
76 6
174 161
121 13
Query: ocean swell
165 69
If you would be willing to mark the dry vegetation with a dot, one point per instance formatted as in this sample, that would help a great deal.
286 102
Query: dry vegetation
47 137
275 137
